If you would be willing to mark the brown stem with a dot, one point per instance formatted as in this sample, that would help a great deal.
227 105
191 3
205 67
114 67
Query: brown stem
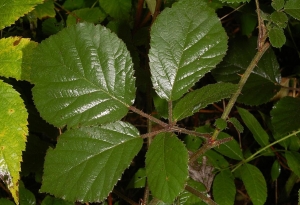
202 196
153 119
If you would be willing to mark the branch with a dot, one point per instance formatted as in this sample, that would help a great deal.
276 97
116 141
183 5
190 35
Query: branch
202 196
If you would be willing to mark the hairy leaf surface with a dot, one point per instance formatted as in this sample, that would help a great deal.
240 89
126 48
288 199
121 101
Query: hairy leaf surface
197 44
87 162
13 131
255 183
200 98
83 75
166 167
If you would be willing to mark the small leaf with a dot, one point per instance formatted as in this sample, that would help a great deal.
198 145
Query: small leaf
49 200
91 15
238 126
220 123
13 133
224 188
200 98
279 18
197 44
293 160
277 37
275 170
292 7
285 116
151 5
138 180
230 149
277 4
15 57
118 9
166 167
83 75
259 134
46 9
87 162
12 10
255 183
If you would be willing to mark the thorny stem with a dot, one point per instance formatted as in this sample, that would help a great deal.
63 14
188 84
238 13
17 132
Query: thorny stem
153 119
202 196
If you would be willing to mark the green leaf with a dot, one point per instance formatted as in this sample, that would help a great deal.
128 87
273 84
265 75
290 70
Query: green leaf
91 15
166 167
72 5
26 196
118 9
13 133
92 157
10 11
220 123
292 7
255 183
224 188
259 134
275 170
46 9
200 98
230 149
6 202
279 18
51 26
83 75
49 200
216 159
151 5
15 57
197 44
138 180
235 1
188 198
238 126
262 84
285 115
277 37
277 4
293 160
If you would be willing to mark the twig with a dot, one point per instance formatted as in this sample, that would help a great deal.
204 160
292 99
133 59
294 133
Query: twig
202 196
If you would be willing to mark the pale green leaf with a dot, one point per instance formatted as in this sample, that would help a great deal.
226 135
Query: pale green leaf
166 167
15 57
200 98
255 183
10 11
13 133
279 18
82 76
44 10
277 4
91 15
262 84
224 188
275 170
259 134
285 115
49 200
293 160
87 162
277 37
229 149
238 126
197 44
118 9
292 7
151 5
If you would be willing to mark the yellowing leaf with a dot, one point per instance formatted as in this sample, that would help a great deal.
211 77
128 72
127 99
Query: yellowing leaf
10 11
15 55
13 131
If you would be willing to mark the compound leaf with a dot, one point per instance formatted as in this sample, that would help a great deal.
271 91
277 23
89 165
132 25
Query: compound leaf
83 75
224 188
200 98
13 133
166 167
12 10
255 183
87 162
197 44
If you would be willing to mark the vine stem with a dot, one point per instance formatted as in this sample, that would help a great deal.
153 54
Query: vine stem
264 148
241 84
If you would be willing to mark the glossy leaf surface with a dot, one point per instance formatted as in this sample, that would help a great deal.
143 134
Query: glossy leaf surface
275 170
88 162
197 44
261 86
13 133
83 75
224 188
166 167
255 183
200 98
285 115
259 134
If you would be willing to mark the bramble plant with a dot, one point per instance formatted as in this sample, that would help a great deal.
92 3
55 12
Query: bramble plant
155 102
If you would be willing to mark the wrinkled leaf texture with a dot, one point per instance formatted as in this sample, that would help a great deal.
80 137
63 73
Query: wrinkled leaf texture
82 76
87 162
187 41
